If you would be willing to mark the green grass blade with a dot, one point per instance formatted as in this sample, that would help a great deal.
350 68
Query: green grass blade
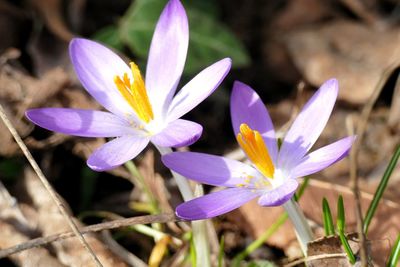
259 241
347 248
381 188
221 251
192 251
327 216
134 171
340 221
395 254
340 224
303 187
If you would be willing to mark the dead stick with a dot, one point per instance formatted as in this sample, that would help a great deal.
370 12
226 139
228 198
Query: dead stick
160 218
46 184
361 127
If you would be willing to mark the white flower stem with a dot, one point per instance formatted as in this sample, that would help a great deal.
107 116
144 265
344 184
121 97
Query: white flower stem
181 181
200 237
199 228
303 231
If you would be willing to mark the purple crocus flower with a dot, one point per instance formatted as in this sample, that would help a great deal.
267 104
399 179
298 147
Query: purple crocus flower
139 112
274 171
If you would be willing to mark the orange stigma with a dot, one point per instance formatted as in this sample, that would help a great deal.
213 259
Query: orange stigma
253 145
135 93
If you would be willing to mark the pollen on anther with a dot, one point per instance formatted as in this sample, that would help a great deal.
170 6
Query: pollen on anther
253 145
135 93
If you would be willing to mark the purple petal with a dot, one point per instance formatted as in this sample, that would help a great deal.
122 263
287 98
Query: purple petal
80 122
247 107
323 157
308 125
209 169
199 88
167 55
214 204
279 195
96 66
116 152
178 133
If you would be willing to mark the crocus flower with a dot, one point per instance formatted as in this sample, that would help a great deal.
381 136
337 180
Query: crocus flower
273 173
139 111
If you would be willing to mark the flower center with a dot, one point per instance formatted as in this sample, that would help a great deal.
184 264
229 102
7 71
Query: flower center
135 93
253 145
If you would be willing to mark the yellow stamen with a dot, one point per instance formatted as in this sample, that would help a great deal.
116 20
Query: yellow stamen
135 93
253 145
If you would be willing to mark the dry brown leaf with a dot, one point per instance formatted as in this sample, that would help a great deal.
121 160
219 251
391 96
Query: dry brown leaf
16 228
50 221
10 236
24 90
301 12
355 54
326 246
18 91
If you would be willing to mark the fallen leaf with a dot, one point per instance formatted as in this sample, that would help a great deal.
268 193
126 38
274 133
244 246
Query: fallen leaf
18 91
329 245
11 236
357 55
68 251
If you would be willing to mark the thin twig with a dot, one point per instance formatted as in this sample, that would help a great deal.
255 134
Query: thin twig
316 257
121 252
345 189
360 130
46 184
359 9
161 218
